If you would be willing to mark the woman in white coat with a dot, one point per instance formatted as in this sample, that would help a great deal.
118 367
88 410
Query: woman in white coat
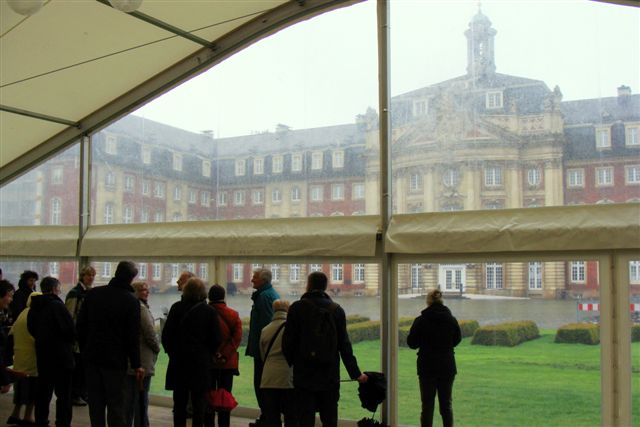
277 376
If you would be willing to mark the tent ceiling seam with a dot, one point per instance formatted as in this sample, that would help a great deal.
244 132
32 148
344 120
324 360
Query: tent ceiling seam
39 116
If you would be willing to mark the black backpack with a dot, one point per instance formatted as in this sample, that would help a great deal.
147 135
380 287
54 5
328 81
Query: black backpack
319 340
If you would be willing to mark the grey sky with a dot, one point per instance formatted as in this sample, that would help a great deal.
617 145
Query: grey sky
324 71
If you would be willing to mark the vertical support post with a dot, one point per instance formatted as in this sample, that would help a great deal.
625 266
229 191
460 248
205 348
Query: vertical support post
607 341
389 294
84 196
622 329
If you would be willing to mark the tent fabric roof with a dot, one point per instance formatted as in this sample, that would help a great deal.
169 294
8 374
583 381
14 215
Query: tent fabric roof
88 64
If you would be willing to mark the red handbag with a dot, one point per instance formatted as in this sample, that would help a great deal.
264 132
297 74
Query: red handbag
221 400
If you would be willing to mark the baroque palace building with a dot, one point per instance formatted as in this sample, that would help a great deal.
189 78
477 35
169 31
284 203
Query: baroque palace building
483 140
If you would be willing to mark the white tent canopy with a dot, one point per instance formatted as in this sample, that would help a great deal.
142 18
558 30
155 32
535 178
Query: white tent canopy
75 66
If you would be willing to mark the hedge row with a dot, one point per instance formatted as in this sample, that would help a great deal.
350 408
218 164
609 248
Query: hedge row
581 333
635 333
356 318
468 327
507 334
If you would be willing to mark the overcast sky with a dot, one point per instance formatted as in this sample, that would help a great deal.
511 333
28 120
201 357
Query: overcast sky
324 71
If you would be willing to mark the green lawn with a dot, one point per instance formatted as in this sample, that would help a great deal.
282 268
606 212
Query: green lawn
538 383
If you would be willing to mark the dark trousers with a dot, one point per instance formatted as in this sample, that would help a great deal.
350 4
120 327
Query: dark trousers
220 378
181 399
58 380
279 401
428 389
137 402
258 366
79 385
325 402
106 388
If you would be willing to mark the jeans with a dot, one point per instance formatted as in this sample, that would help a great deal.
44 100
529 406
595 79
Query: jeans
428 389
106 389
325 402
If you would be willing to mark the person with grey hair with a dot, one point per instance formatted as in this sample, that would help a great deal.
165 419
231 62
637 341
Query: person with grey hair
73 301
277 375
191 337
261 315
138 402
435 333
108 332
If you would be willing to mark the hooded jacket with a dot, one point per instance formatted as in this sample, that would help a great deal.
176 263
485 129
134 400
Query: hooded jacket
109 326
230 334
50 324
435 333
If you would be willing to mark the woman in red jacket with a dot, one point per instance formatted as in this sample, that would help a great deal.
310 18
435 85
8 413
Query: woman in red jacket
226 358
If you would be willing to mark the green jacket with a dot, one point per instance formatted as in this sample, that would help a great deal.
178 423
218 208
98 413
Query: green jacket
261 316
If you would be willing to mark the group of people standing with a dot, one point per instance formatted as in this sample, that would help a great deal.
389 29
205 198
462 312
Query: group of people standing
102 348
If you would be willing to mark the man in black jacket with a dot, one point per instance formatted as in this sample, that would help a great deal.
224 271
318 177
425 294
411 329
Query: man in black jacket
108 332
317 384
51 326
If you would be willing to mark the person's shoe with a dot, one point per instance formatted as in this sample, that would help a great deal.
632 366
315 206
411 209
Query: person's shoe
12 421
78 401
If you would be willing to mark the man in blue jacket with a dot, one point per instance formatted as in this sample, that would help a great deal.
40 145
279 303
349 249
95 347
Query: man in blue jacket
108 332
261 316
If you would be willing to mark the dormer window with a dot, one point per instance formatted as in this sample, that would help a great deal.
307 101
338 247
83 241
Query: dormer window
111 145
494 99
240 167
631 135
603 138
177 162
420 107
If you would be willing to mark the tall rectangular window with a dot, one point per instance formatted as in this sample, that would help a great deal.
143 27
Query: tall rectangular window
337 272
106 269
146 154
142 271
631 135
129 183
238 198
634 272
415 181
206 168
146 187
111 145
337 192
632 174
493 176
108 213
338 159
316 160
56 175
357 191
533 177
238 272
258 166
240 167
204 271
276 164
316 193
604 177
193 196
296 162
222 198
177 193
205 198
575 178
295 194
56 211
578 271
177 162
157 271
275 272
159 190
276 195
257 197
494 275
54 269
294 273
127 215
415 276
358 273
603 138
535 275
